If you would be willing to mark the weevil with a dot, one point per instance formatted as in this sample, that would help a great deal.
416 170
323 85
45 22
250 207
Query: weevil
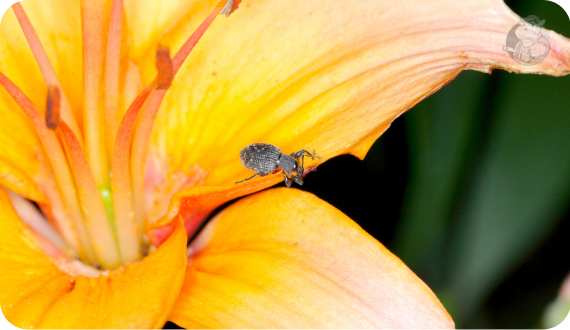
265 159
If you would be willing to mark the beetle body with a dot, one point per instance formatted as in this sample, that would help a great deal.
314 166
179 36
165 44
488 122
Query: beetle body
260 157
264 159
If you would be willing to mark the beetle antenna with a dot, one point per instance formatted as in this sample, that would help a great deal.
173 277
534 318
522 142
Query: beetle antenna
247 178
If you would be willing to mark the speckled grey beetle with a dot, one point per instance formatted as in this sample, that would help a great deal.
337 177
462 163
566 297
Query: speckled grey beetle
266 158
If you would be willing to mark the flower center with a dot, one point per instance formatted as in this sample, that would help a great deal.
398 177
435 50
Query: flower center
99 171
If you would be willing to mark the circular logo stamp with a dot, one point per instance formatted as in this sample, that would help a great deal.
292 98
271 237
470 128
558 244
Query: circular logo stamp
527 42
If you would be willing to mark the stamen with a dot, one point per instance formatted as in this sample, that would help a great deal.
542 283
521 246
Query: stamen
100 232
112 74
128 217
138 156
59 166
46 68
146 120
185 50
129 230
94 28
52 108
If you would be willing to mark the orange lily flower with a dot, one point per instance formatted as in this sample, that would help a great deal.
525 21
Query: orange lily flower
126 173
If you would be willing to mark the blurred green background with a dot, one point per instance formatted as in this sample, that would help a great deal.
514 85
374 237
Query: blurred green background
471 189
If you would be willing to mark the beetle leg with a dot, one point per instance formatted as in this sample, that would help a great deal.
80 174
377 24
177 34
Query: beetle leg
247 178
303 152
298 179
287 180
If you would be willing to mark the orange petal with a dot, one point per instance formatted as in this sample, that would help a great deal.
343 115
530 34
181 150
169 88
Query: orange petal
286 259
195 203
36 293
323 75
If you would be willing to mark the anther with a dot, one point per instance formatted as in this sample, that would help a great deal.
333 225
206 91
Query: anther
164 68
230 7
52 107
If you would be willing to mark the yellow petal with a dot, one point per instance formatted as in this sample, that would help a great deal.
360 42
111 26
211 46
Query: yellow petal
316 75
36 293
58 27
148 20
286 259
13 176
319 75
